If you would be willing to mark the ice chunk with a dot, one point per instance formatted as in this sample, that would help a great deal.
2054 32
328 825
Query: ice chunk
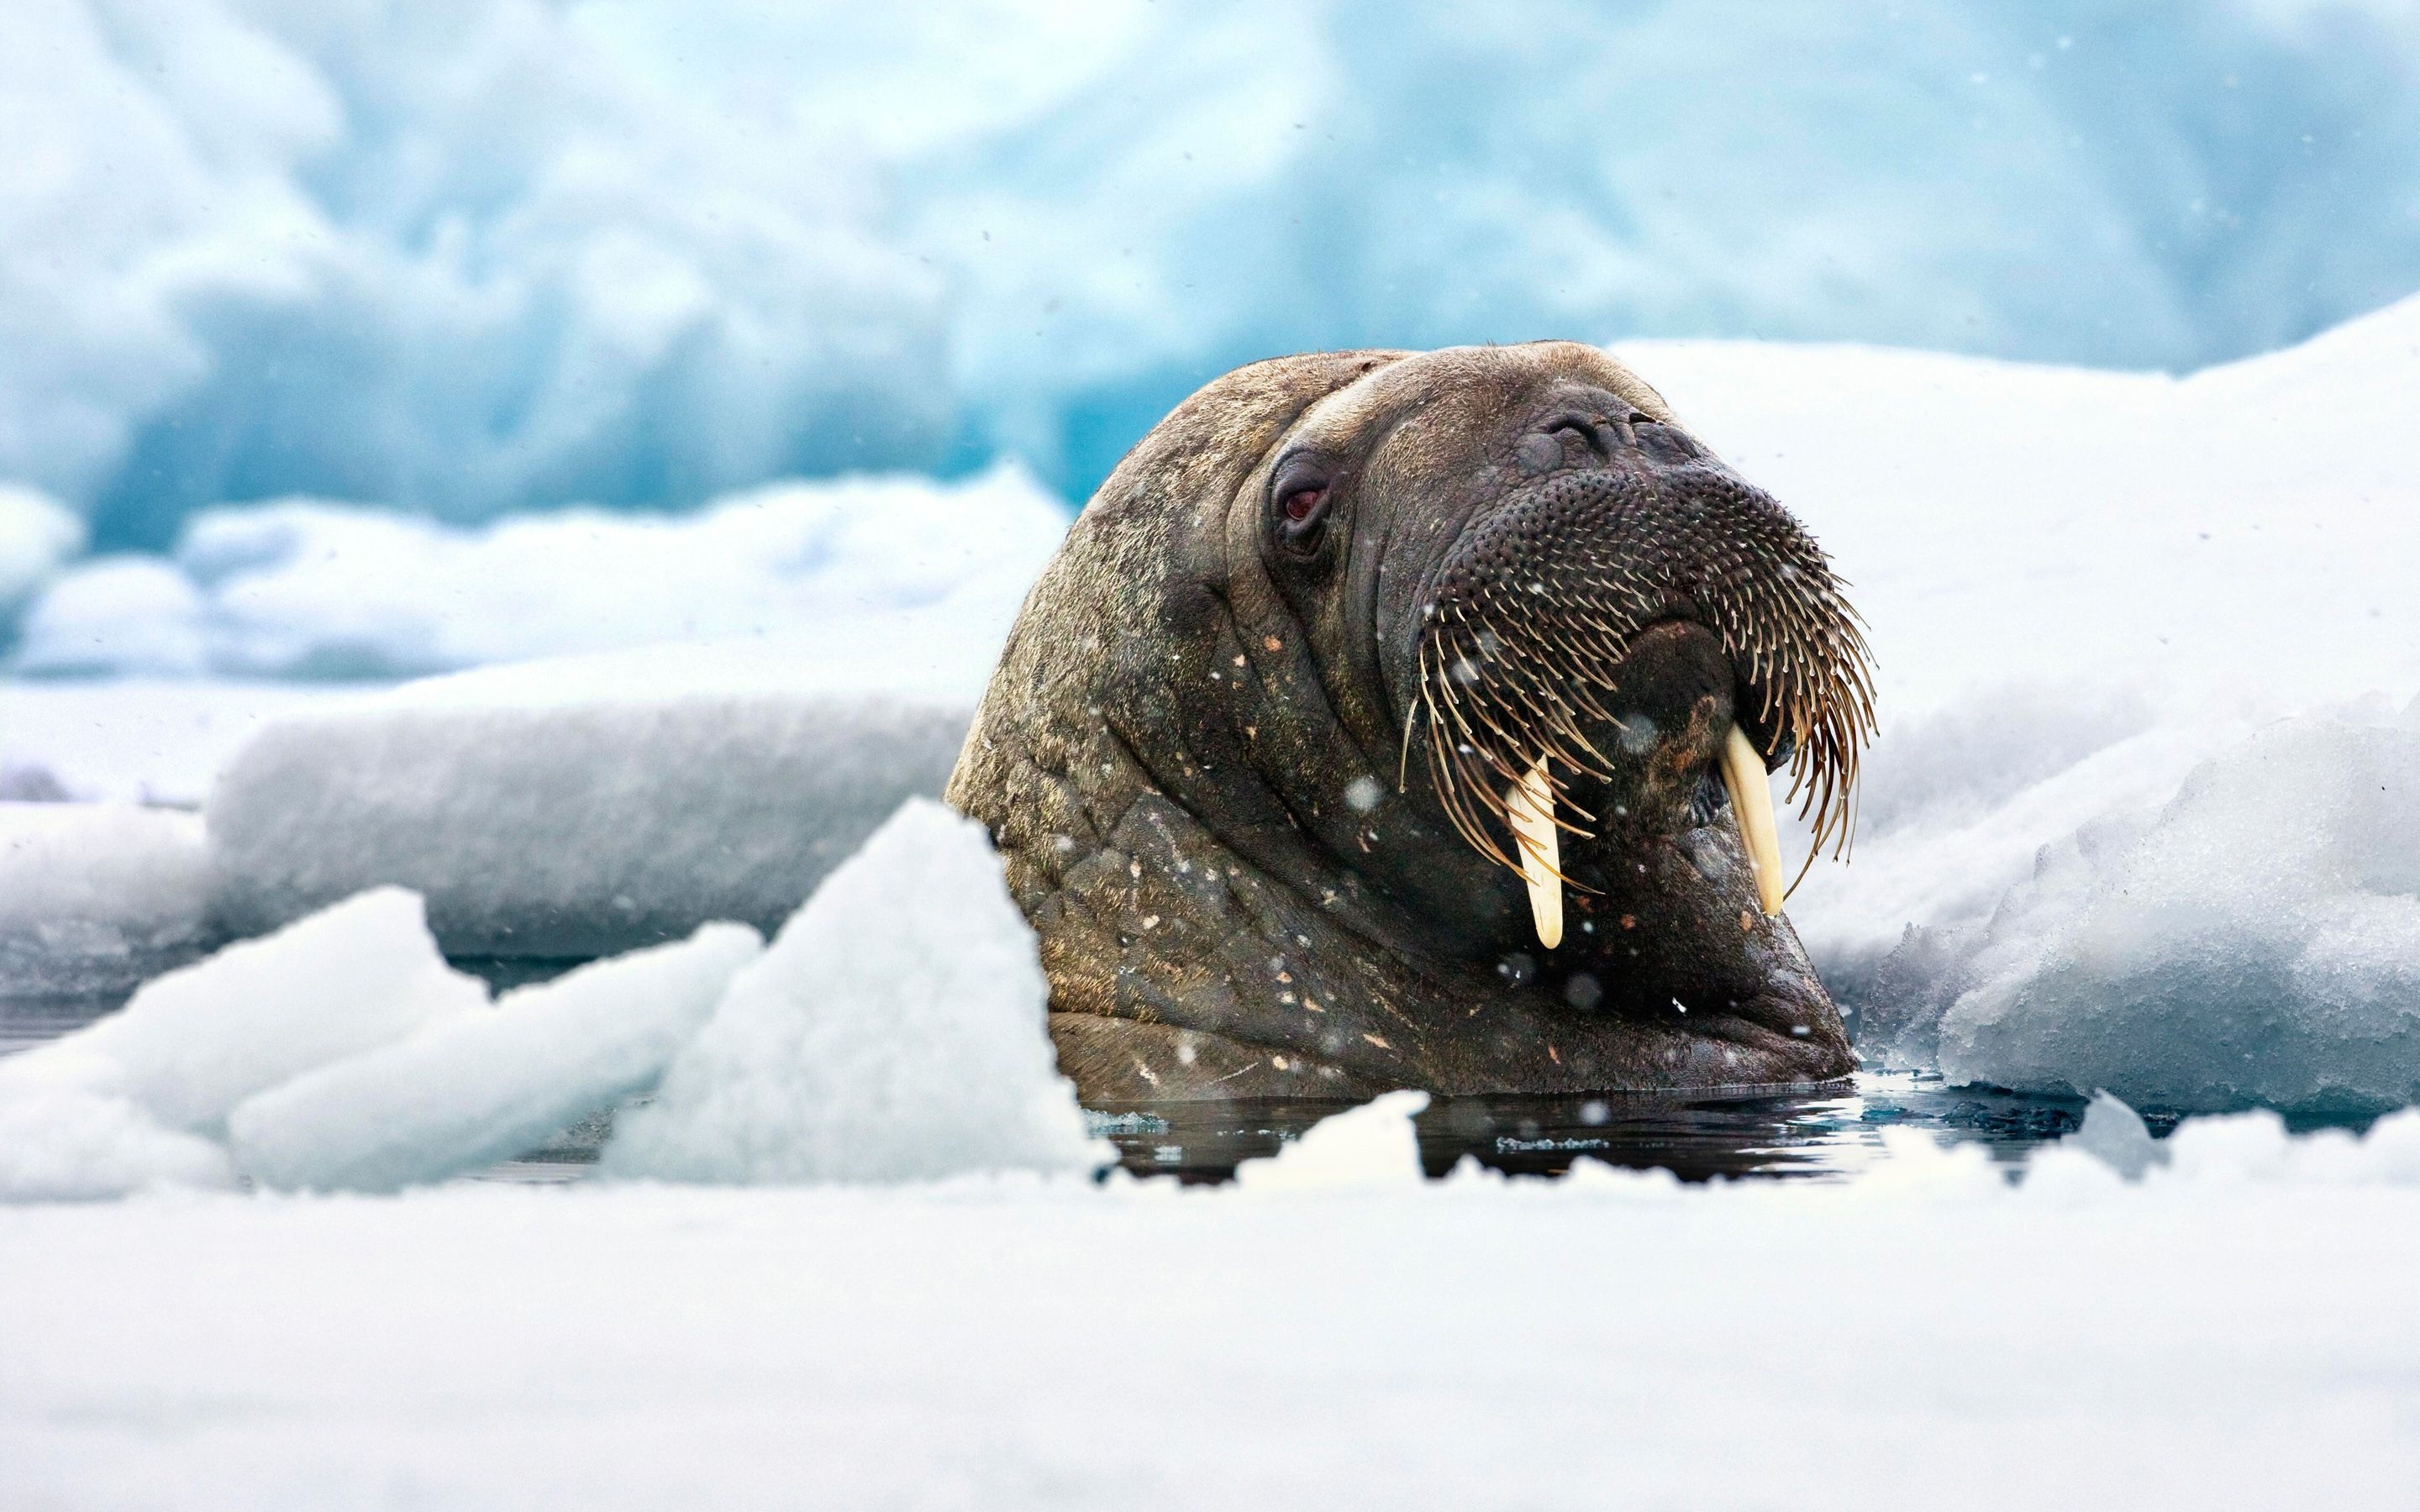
573 831
36 534
194 1043
65 1143
95 898
477 1088
1375 1145
2115 1136
2257 942
894 1030
901 570
117 615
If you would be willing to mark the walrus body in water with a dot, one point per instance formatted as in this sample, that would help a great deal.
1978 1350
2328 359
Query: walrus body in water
1394 720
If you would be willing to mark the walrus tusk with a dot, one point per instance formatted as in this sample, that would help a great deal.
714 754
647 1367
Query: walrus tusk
1751 794
1530 807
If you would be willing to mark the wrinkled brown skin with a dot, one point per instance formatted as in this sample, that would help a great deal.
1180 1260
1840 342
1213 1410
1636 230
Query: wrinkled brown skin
1164 751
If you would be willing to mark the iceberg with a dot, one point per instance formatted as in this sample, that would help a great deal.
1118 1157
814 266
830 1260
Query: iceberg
642 253
68 1144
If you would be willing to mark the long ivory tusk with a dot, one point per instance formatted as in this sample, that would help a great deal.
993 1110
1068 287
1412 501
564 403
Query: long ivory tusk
1531 807
1751 793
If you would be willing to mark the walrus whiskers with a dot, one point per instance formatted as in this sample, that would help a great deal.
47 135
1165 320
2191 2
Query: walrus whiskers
1545 642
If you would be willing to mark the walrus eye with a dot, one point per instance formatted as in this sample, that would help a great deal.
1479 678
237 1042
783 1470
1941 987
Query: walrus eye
1299 495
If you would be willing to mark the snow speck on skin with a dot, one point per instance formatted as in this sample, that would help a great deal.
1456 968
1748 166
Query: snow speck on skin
894 1031
475 1088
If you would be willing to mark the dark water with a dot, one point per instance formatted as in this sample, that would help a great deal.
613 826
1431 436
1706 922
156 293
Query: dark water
1697 1136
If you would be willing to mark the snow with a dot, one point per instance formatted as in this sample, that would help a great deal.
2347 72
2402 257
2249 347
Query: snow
567 831
2231 1329
474 1089
95 898
643 252
894 1031
191 1044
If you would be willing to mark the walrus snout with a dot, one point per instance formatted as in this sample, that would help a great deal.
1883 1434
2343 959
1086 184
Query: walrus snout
1596 636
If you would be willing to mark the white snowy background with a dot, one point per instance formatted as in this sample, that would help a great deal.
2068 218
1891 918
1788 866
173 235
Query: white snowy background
526 482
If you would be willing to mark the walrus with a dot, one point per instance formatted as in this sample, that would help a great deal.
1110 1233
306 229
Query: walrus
1395 719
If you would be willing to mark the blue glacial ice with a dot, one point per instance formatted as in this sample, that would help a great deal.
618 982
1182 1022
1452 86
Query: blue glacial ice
475 259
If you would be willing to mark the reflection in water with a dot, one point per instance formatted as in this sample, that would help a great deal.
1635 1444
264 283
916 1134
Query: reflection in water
1696 1136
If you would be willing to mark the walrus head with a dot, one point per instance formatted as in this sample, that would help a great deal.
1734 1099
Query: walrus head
1394 720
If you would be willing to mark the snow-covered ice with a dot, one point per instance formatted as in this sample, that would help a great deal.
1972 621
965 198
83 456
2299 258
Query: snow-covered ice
95 898
145 740
474 1089
895 1029
815 574
571 831
2233 1329
2256 941
191 1044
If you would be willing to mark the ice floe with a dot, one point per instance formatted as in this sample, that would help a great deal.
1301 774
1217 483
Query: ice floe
567 832
37 534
